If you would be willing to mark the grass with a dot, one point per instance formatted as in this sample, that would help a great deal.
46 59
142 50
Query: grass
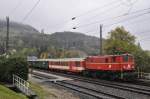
6 93
38 90
42 94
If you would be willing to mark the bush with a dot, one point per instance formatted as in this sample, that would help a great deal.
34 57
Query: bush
13 65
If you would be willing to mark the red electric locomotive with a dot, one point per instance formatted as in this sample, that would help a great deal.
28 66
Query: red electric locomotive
111 66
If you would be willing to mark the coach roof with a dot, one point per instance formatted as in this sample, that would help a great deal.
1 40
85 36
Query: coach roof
60 59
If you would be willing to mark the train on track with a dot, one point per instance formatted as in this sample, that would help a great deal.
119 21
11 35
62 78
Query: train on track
105 66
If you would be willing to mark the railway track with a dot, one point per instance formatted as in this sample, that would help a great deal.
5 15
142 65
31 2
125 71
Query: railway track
109 84
85 90
142 82
81 89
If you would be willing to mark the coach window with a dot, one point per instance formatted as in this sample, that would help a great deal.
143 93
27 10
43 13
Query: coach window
66 64
77 64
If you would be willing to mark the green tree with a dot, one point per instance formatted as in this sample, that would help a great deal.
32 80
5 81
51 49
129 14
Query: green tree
13 65
120 41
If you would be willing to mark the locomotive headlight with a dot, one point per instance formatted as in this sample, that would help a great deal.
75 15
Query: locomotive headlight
109 66
129 66
124 67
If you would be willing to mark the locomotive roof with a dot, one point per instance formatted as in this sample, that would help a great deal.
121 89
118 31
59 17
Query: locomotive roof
60 59
109 55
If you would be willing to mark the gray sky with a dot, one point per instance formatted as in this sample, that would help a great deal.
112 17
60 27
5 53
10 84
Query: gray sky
55 15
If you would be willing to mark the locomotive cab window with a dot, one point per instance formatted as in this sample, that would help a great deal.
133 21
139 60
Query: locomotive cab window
125 58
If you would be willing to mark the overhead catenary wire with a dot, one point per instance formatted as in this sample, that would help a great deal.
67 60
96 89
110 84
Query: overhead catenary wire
111 18
73 18
146 38
106 11
27 15
90 11
94 30
144 32
133 17
111 7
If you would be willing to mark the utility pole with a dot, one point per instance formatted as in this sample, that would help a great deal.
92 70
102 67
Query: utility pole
7 35
101 45
42 31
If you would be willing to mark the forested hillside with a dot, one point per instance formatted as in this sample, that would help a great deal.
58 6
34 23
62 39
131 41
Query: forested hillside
75 41
26 38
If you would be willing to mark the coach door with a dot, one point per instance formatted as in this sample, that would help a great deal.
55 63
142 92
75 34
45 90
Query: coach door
71 65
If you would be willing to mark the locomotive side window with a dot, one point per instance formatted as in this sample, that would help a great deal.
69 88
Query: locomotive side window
113 59
106 60
125 58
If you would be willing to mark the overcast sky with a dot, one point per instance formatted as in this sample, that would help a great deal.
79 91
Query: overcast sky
55 15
